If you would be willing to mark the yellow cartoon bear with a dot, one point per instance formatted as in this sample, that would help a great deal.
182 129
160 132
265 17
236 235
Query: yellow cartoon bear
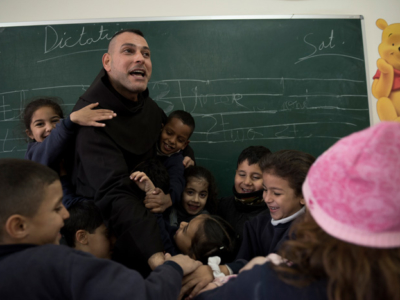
386 85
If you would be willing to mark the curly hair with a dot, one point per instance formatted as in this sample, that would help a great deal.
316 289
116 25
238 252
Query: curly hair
353 272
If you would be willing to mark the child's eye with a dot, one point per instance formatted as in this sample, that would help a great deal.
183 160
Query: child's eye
58 208
204 195
256 178
39 124
276 194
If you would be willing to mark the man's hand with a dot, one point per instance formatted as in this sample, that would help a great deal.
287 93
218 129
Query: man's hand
187 162
142 181
157 201
156 259
196 281
187 264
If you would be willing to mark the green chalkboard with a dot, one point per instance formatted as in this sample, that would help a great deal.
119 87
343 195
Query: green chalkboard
283 83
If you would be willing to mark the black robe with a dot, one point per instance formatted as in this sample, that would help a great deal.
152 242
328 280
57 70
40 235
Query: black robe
102 163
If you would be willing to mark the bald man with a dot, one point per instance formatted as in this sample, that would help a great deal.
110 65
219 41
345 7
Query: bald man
105 156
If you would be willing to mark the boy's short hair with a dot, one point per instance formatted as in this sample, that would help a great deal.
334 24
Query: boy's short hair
22 183
84 215
157 173
185 117
252 154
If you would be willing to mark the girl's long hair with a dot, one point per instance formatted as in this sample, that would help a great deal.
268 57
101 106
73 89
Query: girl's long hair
353 272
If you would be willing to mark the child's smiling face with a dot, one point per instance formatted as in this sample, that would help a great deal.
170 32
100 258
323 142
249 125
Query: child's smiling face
248 178
174 136
195 195
186 232
44 227
44 120
280 198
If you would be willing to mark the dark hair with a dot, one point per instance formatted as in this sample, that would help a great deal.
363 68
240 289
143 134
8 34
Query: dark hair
157 173
215 237
353 272
35 104
134 31
291 165
253 154
22 186
83 215
184 116
202 173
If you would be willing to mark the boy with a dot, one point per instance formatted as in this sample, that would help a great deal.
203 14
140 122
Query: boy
246 201
85 230
174 138
31 216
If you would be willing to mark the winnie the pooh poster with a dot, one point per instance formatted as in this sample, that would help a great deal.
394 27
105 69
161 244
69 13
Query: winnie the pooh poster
386 85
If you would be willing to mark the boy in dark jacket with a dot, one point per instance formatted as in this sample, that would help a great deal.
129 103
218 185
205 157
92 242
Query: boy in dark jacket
33 266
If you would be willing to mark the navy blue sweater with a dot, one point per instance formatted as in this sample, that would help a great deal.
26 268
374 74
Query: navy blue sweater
260 238
59 272
50 153
261 282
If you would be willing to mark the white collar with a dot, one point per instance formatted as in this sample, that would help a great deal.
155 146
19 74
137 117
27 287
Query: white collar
290 218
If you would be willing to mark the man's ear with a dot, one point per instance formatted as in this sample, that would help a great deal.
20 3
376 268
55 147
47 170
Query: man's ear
29 134
17 227
81 237
106 62
302 201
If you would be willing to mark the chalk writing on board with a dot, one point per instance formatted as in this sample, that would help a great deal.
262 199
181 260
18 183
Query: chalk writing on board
224 109
319 50
60 41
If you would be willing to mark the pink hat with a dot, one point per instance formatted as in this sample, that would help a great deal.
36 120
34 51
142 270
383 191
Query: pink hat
353 189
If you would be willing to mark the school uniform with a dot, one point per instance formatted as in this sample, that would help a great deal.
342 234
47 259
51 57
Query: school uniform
262 236
59 272
175 168
237 213
261 282
103 160
51 151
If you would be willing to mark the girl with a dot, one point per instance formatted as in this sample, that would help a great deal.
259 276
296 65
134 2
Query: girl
347 245
44 116
283 174
204 236
199 196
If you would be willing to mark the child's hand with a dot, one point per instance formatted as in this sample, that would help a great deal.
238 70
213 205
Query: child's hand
187 264
260 260
88 116
196 281
142 181
187 162
157 201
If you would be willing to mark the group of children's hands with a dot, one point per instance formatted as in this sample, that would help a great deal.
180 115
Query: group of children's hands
88 116
202 278
187 264
156 201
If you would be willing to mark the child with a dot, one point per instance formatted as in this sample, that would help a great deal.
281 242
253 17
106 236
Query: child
199 196
44 116
204 236
85 230
347 244
31 216
283 175
247 201
174 138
